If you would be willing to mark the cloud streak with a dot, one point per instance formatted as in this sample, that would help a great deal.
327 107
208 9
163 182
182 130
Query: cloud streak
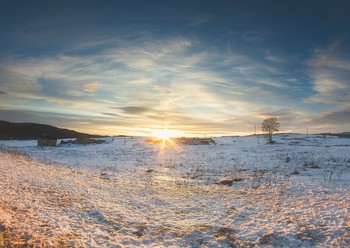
329 69
171 81
135 110
92 87
341 117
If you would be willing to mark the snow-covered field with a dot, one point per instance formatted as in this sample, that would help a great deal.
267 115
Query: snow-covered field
127 192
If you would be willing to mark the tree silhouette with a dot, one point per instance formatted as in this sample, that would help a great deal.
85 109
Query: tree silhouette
269 126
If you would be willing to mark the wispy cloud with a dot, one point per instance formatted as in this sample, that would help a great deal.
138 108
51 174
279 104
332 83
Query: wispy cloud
329 69
194 66
92 87
332 121
199 20
135 110
153 55
14 79
341 117
254 36
174 80
111 114
273 57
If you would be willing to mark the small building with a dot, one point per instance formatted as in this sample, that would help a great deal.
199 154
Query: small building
86 140
195 141
47 140
207 141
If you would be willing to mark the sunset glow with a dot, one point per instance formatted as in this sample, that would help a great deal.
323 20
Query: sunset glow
204 68
164 134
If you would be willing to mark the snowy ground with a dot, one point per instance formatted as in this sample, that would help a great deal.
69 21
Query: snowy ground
126 193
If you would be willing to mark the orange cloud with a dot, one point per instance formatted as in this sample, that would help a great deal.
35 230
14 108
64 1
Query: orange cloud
92 87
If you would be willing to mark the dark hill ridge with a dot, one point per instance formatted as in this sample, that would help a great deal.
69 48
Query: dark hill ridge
341 135
29 131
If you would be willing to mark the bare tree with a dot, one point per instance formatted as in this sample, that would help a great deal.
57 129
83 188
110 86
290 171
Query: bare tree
269 126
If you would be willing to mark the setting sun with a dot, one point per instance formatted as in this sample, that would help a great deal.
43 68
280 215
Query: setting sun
164 134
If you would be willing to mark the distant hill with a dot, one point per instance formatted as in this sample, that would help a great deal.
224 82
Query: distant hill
342 135
28 131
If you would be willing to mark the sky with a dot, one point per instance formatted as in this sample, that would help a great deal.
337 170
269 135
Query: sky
195 67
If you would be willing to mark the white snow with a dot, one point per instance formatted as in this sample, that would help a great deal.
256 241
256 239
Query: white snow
128 193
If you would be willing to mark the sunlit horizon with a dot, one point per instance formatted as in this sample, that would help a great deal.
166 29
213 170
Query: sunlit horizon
156 133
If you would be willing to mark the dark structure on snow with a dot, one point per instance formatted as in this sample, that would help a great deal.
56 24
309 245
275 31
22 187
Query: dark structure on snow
47 140
194 141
